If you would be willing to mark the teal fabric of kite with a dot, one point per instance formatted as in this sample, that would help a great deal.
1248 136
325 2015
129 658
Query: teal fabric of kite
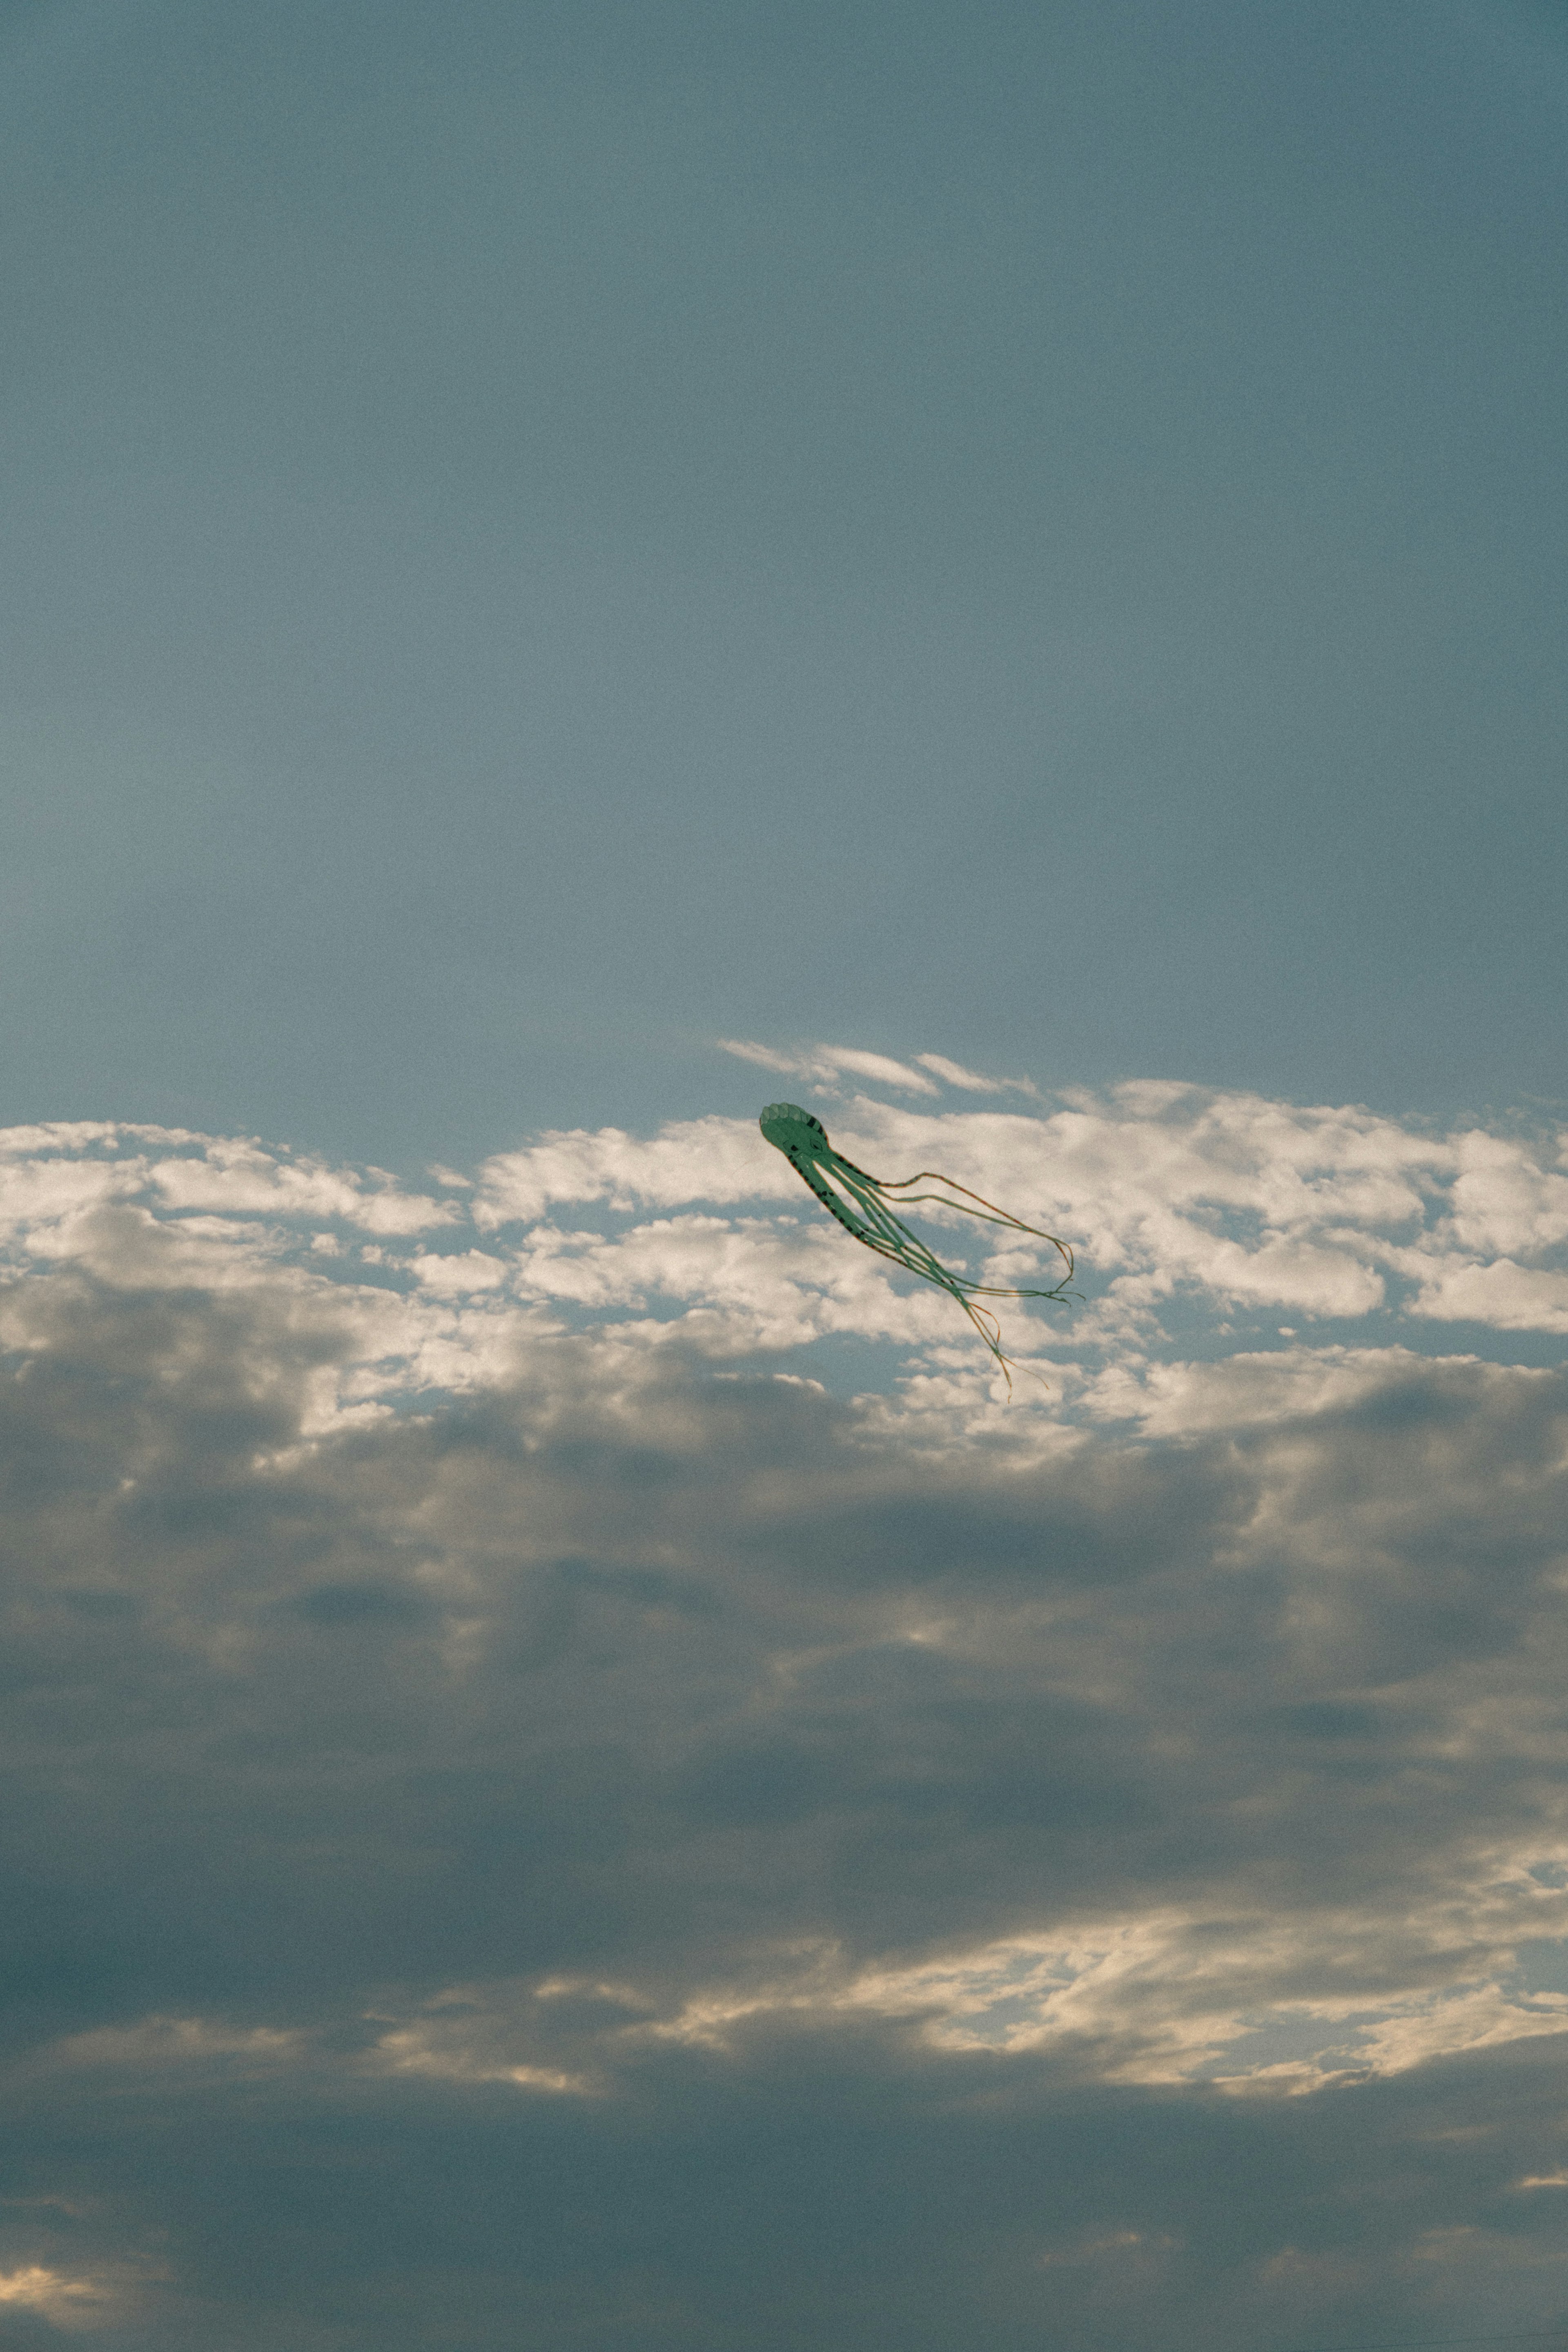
864 1205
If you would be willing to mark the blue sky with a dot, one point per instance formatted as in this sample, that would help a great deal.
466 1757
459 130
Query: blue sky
573 1772
552 533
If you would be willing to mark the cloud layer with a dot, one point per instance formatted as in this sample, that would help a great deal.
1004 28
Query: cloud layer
533 1815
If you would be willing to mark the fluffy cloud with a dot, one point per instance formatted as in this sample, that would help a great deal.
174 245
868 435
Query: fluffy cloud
527 1815
1207 1228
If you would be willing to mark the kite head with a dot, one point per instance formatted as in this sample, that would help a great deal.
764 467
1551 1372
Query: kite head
793 1132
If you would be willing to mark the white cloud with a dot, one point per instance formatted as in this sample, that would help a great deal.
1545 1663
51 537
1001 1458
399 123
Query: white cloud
50 1172
953 1074
1504 1203
65 2301
1178 1202
693 1160
459 1273
163 2041
443 2053
240 1177
1192 1214
1504 1296
824 1066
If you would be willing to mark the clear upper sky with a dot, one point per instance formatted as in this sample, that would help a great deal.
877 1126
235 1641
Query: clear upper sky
540 535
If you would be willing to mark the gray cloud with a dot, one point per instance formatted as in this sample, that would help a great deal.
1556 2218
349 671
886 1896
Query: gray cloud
634 1854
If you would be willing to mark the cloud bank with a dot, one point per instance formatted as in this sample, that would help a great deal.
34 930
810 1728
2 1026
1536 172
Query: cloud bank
536 1810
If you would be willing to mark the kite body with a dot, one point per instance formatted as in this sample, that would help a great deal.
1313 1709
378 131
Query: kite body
864 1205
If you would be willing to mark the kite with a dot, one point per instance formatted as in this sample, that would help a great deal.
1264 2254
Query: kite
864 1206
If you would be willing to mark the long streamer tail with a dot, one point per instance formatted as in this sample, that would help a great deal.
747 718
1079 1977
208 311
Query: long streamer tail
865 1206
890 1237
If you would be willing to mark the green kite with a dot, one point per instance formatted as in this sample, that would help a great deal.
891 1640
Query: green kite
864 1206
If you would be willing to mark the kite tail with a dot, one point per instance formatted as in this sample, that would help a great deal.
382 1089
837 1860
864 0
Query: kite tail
871 1196
865 1206
890 1237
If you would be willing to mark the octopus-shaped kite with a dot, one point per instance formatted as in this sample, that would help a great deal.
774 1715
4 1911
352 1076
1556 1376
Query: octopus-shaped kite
864 1206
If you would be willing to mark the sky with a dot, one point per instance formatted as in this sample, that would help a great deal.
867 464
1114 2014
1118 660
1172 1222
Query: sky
576 1772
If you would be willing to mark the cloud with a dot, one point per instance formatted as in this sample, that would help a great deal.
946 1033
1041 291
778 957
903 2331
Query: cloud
522 1820
48 1174
1503 1295
162 2041
1199 1221
825 1065
707 1160
953 1074
66 2302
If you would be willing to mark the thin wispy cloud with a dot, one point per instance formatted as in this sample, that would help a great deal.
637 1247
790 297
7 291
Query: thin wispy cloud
953 1074
825 1069
826 1066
